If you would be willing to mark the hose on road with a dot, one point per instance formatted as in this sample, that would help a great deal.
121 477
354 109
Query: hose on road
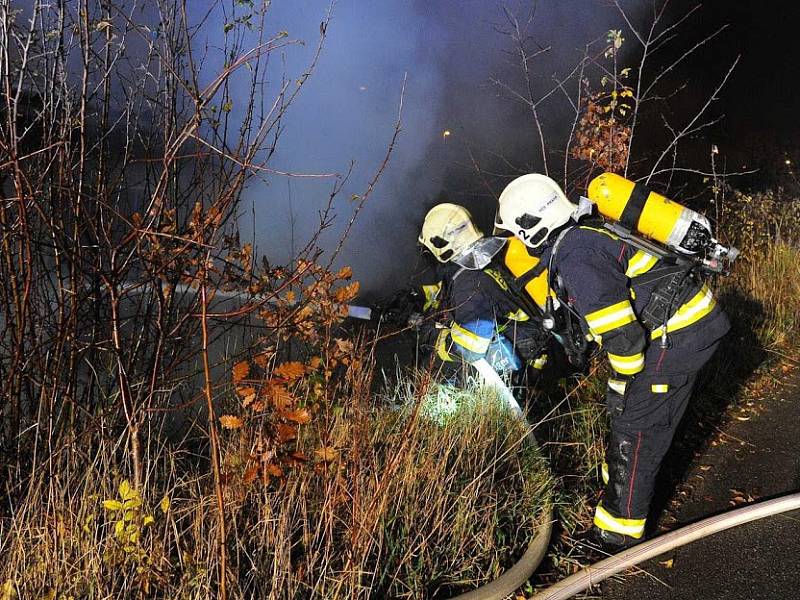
604 569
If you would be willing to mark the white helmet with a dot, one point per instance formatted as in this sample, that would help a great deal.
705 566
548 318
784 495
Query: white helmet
531 207
448 231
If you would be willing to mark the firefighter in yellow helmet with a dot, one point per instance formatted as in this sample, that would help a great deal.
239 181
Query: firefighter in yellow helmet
656 322
486 319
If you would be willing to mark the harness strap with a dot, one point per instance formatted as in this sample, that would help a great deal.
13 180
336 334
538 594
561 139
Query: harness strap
633 209
526 278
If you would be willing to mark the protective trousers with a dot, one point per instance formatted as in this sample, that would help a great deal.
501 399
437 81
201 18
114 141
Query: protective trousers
654 403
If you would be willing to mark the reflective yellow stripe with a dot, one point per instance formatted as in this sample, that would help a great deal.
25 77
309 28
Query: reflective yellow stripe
466 339
604 472
540 362
640 263
441 346
627 365
431 295
520 315
603 231
659 388
605 520
611 317
695 309
618 386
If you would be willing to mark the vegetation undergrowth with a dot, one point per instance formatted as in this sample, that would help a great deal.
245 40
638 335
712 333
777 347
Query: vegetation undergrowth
121 196
376 502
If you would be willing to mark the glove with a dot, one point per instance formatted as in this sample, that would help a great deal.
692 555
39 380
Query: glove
501 355
617 393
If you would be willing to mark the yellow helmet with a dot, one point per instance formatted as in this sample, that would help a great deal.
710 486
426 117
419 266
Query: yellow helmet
448 231
531 207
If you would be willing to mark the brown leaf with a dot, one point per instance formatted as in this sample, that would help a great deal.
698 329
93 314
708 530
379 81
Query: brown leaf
244 392
344 273
263 358
668 563
344 346
274 470
327 453
299 457
250 475
346 293
290 370
230 422
285 432
301 416
240 371
249 400
279 396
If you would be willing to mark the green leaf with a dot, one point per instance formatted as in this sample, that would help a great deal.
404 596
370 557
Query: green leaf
164 505
112 504
227 106
119 529
148 520
125 489
132 503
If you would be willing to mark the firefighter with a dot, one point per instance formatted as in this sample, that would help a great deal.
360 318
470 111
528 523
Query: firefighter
484 320
622 296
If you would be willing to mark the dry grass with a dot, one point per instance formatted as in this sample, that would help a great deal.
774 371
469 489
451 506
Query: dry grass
405 507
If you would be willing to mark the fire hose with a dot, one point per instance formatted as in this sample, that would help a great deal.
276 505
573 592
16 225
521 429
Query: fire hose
523 569
604 569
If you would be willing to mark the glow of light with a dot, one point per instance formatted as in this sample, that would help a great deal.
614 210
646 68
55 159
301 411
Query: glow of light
787 161
446 133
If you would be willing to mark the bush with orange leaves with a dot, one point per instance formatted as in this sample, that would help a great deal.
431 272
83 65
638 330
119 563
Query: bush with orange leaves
603 133
277 394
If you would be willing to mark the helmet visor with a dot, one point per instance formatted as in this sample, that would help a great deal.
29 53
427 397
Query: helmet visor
481 253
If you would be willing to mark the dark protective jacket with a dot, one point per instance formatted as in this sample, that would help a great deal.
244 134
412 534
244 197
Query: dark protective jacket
609 283
477 306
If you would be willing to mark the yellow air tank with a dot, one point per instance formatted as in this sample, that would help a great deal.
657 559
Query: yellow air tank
520 262
637 208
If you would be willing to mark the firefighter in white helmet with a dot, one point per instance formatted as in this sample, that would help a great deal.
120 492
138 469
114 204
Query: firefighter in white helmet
622 297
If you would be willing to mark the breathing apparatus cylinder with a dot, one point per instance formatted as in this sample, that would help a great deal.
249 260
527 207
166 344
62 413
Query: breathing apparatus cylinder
519 262
641 210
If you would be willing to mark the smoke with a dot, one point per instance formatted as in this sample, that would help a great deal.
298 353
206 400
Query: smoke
449 54
461 73
455 68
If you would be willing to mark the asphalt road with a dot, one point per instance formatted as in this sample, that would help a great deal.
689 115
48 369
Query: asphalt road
756 456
